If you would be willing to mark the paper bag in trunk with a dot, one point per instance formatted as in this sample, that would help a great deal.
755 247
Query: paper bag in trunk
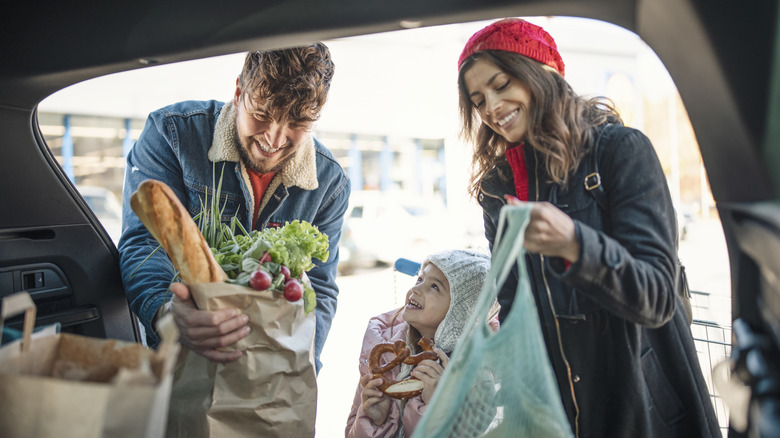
66 385
271 391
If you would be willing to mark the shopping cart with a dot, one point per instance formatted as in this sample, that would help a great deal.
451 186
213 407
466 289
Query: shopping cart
713 346
406 266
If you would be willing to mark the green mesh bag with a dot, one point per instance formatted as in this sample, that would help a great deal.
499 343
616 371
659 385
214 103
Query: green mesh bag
499 384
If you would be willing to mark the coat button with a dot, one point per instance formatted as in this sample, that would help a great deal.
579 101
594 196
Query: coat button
576 379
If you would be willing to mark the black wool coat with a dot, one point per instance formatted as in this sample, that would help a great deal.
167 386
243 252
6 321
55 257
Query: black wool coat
615 330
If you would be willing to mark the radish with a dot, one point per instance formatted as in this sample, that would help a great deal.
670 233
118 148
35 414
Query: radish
260 280
286 272
293 291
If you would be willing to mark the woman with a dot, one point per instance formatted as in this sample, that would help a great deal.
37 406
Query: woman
603 277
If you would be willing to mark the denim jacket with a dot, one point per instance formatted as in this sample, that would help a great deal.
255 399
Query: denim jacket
188 146
616 334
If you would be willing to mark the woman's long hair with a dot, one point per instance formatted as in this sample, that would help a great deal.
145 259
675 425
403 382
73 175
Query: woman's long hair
560 122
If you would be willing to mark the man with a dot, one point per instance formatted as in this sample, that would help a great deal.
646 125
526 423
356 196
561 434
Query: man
273 172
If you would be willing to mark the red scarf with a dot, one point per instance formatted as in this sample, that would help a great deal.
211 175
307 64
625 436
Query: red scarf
516 158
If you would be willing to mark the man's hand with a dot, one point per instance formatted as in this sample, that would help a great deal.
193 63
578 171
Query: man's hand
206 332
375 404
429 372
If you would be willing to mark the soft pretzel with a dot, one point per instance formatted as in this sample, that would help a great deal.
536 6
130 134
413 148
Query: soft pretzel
427 353
171 225
406 388
398 348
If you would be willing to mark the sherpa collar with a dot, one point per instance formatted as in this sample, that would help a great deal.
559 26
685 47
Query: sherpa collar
301 171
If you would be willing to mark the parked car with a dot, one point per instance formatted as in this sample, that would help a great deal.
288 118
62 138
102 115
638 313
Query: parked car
381 227
721 55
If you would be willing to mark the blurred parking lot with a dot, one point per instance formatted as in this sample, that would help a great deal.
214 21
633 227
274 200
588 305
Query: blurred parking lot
380 227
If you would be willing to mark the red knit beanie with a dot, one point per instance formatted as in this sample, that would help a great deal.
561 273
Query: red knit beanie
518 36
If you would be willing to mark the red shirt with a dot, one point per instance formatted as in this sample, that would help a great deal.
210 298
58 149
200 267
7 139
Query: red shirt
260 182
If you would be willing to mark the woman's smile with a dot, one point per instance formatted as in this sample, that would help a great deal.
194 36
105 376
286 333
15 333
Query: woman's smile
508 118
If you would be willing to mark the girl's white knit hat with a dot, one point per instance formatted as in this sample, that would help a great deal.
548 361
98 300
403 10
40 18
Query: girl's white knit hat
466 271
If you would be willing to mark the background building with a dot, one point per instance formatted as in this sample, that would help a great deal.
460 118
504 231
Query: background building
391 119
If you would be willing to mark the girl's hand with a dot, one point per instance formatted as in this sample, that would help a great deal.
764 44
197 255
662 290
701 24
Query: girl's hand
429 372
550 231
375 404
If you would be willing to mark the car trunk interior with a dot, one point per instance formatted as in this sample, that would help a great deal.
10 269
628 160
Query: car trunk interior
723 57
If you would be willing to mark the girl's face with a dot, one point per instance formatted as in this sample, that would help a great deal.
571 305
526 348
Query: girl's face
427 301
501 100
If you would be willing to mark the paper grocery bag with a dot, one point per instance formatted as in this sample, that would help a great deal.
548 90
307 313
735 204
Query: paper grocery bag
65 385
271 391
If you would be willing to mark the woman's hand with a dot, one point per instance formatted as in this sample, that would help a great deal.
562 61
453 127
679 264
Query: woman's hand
205 332
550 231
375 404
429 372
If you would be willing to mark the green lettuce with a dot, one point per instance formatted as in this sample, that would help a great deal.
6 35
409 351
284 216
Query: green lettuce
294 245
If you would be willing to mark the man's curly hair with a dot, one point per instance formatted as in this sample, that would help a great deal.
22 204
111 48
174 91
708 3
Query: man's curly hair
292 83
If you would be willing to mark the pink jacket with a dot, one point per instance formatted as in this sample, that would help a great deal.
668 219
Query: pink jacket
358 424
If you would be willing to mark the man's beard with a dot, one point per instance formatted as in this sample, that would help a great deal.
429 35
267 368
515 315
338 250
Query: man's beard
243 154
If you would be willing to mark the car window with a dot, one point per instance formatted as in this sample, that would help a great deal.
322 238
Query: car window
100 207
391 120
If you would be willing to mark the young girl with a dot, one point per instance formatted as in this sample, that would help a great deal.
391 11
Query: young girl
437 307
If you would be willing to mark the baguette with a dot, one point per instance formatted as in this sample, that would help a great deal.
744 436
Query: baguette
171 225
